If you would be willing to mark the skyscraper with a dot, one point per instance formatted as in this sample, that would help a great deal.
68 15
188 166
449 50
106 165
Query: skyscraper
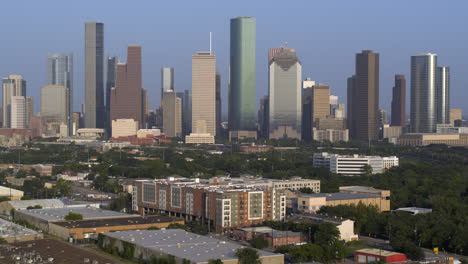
423 93
94 75
399 101
18 112
443 95
218 104
126 97
60 72
263 115
242 91
204 93
172 114
285 95
54 107
363 92
316 105
167 80
110 83
29 110
187 112
14 85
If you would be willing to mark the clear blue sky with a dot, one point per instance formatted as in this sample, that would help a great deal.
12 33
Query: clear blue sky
326 35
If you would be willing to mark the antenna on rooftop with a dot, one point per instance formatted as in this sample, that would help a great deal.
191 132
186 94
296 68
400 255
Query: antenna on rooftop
210 43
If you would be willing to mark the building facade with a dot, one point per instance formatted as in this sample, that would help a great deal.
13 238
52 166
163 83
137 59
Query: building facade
354 164
94 75
172 114
443 95
54 108
110 83
18 112
242 91
167 80
14 85
398 117
124 127
285 95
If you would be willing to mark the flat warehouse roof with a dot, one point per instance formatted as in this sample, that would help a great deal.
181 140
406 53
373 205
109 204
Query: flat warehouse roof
56 214
142 220
183 244
340 196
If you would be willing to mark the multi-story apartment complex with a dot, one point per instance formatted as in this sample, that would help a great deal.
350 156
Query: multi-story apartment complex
223 203
353 164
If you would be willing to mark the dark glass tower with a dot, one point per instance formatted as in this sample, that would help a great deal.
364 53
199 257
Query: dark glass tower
399 101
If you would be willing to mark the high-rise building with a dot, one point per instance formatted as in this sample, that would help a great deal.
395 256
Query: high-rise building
110 83
167 80
350 94
263 115
423 114
285 95
443 95
455 114
383 120
242 92
307 109
29 110
18 112
204 93
94 75
187 112
60 72
14 85
316 105
145 110
126 97
399 101
364 97
172 114
54 108
218 104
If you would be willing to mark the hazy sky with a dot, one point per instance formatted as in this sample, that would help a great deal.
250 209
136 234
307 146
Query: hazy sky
326 35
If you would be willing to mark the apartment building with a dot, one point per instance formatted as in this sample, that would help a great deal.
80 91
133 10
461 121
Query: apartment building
222 206
353 164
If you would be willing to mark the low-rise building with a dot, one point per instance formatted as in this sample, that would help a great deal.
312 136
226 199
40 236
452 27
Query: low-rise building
144 133
348 195
43 169
354 164
344 226
375 255
414 210
90 132
332 135
12 194
275 238
89 229
199 138
181 246
12 232
124 128
420 139
7 206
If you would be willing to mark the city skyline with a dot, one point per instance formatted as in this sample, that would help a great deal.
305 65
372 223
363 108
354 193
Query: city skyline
325 68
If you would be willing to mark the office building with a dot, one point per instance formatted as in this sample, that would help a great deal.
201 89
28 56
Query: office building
331 135
172 114
222 206
54 108
204 93
242 91
199 138
399 102
29 111
363 96
455 114
110 83
423 93
60 72
354 164
14 85
425 139
443 95
167 80
126 97
124 127
94 75
18 112
263 117
383 120
285 95
219 109
275 238
186 112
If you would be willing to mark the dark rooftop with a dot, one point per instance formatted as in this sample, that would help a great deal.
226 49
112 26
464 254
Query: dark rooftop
138 220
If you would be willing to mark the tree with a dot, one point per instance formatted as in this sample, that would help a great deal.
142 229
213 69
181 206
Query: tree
153 228
73 216
177 226
215 261
247 256
258 242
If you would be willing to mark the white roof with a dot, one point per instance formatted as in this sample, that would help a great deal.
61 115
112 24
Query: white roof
5 191
44 203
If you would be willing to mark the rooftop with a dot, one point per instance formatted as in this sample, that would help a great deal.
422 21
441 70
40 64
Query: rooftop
57 214
360 189
339 196
271 231
378 252
131 220
11 230
45 203
183 244
415 210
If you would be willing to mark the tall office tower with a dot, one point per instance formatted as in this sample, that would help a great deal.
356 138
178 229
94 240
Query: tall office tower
333 99
126 97
29 110
315 106
383 120
399 101
14 85
204 93
187 113
285 95
145 111
54 107
172 114
242 91
218 104
167 80
94 75
456 115
423 93
60 72
307 125
443 95
18 112
263 115
349 98
364 102
110 83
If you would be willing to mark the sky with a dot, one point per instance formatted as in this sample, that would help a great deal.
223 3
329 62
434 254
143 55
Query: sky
326 35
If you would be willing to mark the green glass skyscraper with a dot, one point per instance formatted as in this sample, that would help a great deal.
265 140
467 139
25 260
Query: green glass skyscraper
242 75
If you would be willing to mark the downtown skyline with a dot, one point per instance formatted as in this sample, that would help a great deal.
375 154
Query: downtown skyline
331 67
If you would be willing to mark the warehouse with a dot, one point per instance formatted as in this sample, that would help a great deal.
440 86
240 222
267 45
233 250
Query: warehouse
10 193
15 233
368 255
89 229
180 246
